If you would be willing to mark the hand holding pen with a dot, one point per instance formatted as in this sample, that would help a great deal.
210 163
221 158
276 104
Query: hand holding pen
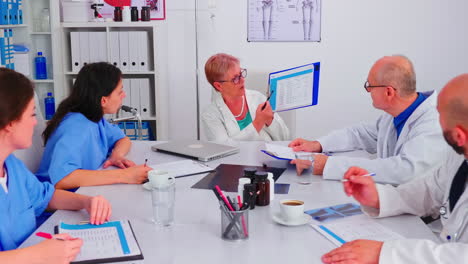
359 183
268 99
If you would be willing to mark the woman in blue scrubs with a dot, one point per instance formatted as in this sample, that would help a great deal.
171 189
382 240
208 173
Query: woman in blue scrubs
22 195
78 140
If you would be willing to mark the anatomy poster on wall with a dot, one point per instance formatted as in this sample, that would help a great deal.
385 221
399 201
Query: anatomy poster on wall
284 20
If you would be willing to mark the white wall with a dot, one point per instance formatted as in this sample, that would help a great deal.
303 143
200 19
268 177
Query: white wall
354 34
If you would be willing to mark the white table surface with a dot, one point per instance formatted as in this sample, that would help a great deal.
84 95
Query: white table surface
195 235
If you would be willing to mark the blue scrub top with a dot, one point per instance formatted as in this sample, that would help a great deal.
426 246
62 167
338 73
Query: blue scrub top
77 143
26 198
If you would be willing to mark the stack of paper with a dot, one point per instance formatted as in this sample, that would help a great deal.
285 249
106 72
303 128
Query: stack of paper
183 168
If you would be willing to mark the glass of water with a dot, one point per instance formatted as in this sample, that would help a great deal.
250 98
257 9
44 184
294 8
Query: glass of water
305 178
163 201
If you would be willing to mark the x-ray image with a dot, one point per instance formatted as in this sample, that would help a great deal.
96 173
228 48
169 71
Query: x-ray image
284 20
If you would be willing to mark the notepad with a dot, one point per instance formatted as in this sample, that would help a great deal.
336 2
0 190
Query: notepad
109 242
182 168
355 227
280 152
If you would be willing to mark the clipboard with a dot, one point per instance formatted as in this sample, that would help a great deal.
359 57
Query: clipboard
110 242
273 155
302 81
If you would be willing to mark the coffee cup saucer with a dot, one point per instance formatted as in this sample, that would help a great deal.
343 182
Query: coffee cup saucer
302 220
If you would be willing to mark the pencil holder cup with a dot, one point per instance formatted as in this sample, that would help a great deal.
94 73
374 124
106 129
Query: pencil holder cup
234 224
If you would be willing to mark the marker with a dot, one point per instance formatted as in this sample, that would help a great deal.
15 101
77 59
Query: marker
272 92
47 236
365 175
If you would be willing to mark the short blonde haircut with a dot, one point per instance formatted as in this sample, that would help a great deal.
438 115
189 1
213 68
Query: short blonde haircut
217 66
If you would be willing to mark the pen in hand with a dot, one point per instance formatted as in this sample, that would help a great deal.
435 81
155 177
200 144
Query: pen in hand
48 236
372 174
269 96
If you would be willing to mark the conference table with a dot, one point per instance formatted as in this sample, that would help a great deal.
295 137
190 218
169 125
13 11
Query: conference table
195 236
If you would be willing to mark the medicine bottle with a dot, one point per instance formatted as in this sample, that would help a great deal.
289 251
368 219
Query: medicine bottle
118 14
145 13
240 187
272 186
249 195
263 188
134 13
250 173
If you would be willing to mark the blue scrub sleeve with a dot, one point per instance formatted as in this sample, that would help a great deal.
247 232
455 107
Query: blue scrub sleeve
39 193
66 157
114 134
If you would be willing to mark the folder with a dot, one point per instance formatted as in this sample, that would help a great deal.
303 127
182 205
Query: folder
10 58
97 47
124 51
84 47
20 12
3 44
133 51
135 91
145 95
75 51
142 42
14 12
9 12
114 48
3 12
127 99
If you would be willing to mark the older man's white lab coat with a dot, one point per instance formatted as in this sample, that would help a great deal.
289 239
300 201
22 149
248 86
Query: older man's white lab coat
416 151
220 125
425 196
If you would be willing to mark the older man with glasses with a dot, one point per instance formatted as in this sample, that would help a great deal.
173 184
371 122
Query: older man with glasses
236 113
407 138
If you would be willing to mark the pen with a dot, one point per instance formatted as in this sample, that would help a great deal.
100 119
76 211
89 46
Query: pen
47 236
224 198
269 96
146 160
365 175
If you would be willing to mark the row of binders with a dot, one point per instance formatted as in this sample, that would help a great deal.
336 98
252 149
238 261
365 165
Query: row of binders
11 12
138 96
127 50
6 48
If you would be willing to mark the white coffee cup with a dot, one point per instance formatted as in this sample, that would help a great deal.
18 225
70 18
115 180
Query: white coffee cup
291 209
160 178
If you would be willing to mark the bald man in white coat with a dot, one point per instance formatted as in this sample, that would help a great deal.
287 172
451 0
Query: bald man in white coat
441 193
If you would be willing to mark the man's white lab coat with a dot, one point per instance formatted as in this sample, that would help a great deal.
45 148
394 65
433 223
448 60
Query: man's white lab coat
220 125
416 151
425 196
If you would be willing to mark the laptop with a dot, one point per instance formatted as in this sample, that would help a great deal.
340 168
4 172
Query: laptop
201 150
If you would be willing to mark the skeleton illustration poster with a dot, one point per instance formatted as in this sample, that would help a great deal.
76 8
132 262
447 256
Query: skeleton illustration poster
284 20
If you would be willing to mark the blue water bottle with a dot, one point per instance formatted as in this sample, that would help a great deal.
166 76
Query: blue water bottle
41 70
49 103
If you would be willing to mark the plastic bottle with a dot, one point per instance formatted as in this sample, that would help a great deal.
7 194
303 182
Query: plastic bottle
263 188
240 187
250 173
41 69
249 194
126 16
134 13
272 186
49 103
145 13
118 14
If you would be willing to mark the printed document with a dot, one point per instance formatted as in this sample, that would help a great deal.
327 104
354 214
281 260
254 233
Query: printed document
350 228
182 168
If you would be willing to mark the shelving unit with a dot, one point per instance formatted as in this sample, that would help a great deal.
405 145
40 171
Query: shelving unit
64 74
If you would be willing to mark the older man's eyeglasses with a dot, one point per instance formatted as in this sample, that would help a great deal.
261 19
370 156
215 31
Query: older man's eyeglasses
368 87
237 78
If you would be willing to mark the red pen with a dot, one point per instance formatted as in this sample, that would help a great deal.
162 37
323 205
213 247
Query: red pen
224 198
47 236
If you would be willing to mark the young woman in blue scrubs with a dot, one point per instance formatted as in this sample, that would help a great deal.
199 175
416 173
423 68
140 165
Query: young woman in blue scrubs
22 195
79 140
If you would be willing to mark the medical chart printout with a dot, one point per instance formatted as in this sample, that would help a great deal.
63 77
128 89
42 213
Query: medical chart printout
111 240
292 88
350 228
